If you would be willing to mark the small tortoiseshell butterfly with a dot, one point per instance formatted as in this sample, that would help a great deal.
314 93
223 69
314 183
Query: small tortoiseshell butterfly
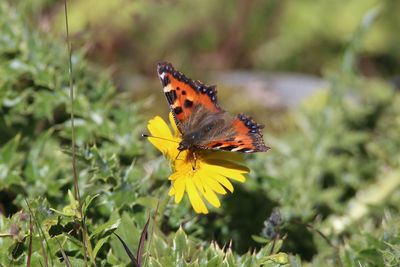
202 123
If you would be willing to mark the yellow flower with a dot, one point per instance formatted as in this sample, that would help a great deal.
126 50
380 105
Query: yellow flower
203 178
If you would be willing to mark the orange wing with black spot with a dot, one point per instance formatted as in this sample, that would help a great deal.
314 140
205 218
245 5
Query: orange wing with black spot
248 137
239 134
183 93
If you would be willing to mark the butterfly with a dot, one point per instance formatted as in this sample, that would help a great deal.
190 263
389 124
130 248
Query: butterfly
203 124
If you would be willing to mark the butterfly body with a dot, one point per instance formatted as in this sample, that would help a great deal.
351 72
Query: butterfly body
203 127
200 120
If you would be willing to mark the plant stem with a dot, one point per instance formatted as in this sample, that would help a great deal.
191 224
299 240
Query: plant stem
74 170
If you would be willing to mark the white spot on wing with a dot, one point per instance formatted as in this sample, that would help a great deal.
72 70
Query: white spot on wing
167 88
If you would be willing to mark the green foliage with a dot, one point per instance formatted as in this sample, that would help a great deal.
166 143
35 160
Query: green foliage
334 178
119 183
304 36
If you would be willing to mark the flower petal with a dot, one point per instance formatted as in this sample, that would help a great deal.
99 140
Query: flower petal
216 186
196 201
210 196
199 180
159 128
237 177
175 176
179 186
171 191
228 169
227 165
222 180
173 124
210 175
228 156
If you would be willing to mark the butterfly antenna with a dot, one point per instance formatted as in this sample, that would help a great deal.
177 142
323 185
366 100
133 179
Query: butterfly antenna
166 139
178 154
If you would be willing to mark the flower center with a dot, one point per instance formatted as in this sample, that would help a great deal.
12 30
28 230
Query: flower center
193 159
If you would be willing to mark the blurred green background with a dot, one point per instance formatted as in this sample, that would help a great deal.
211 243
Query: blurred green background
322 75
296 36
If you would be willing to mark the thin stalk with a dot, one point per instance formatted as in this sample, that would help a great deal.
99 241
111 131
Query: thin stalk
150 238
42 235
28 260
74 170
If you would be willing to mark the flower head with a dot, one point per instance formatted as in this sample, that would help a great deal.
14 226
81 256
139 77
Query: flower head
202 176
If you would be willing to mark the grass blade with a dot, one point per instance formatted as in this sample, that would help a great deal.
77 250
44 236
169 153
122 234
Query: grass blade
65 257
128 251
42 235
143 238
74 169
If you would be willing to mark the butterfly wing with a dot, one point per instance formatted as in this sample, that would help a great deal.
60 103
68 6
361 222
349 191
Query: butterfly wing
247 137
183 93
197 113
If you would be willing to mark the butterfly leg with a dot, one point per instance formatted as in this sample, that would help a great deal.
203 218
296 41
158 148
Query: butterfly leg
178 154
194 160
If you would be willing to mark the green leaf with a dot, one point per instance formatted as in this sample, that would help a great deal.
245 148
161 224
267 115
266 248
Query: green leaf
71 210
215 261
99 245
279 258
229 258
128 251
9 150
112 224
155 263
260 239
371 256
180 244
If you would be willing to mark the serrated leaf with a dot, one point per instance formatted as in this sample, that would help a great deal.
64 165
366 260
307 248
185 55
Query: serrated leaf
279 258
71 210
248 261
215 261
229 258
180 243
